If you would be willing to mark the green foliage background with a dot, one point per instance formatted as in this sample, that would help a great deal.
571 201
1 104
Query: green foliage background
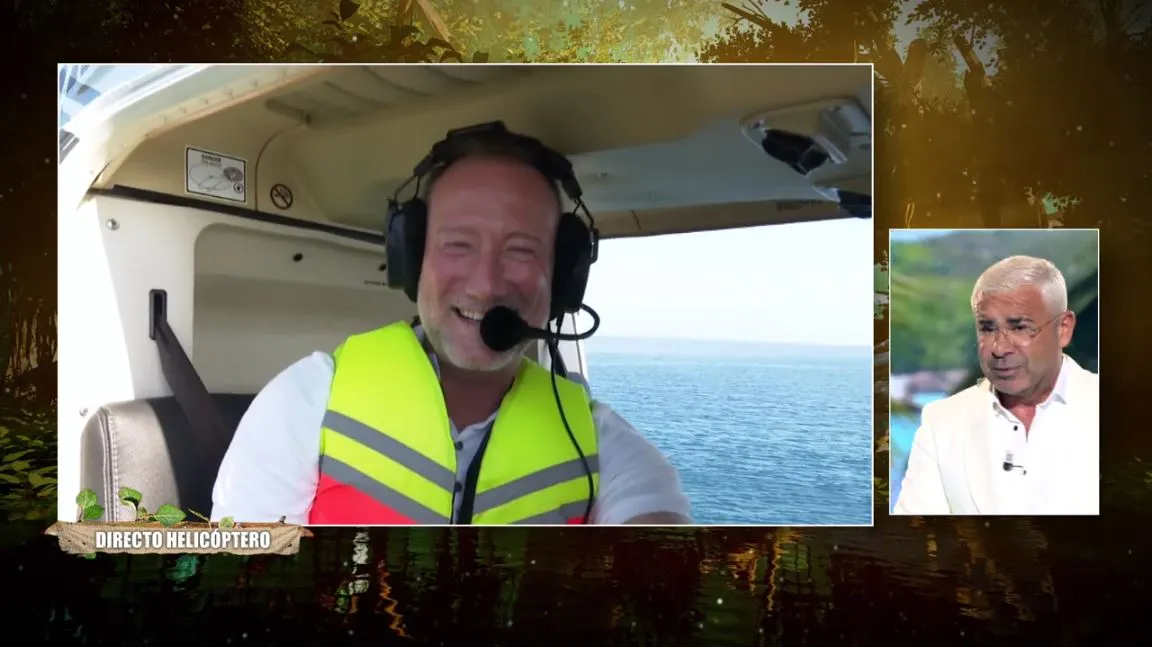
27 463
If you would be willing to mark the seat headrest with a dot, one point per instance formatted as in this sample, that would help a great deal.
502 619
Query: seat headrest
148 445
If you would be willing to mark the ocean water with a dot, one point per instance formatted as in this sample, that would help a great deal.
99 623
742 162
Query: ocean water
760 434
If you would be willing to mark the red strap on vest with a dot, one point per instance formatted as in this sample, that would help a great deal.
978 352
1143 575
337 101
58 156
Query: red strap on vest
340 504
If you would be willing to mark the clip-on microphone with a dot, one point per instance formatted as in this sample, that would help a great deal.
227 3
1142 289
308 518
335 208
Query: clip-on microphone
1009 465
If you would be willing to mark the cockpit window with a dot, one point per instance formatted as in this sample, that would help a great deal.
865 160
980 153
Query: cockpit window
80 85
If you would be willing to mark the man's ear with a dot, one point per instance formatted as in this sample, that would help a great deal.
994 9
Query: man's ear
1067 327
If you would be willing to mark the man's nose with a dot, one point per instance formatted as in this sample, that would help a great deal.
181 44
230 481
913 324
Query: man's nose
486 279
1000 347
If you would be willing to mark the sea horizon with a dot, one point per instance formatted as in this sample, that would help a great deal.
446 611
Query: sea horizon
623 345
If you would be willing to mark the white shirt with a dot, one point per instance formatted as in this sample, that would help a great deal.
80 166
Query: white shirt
1022 489
272 467
956 465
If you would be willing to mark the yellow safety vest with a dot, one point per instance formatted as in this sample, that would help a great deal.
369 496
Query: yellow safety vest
387 455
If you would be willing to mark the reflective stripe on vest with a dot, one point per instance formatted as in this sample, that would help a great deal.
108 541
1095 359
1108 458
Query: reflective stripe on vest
388 457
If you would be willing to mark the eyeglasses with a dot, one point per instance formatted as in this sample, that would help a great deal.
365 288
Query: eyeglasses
1017 334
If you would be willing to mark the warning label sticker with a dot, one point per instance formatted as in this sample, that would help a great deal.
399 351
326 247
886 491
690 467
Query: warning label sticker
216 175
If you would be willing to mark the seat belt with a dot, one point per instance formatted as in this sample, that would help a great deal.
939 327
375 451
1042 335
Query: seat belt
203 417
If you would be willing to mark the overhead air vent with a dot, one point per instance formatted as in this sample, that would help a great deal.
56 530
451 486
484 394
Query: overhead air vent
808 137
800 152
855 204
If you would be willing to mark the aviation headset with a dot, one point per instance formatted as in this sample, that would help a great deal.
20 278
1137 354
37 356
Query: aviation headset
577 244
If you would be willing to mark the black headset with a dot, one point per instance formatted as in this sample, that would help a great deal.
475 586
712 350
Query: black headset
577 244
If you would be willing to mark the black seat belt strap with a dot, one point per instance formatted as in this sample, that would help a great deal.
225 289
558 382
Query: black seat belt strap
203 417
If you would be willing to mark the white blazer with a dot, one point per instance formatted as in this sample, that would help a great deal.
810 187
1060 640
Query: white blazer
950 466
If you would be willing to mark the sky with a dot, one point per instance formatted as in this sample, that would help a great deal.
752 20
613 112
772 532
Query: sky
805 283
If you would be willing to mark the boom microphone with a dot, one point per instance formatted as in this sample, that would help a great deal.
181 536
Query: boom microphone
501 329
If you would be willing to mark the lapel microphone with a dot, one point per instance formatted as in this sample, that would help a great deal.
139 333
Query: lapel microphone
1009 465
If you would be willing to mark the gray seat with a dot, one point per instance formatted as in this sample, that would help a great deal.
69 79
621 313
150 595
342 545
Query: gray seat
148 445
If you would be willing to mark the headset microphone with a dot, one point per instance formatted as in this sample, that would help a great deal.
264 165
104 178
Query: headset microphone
501 329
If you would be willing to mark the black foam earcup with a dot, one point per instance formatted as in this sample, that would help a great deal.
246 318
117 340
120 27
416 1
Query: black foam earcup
394 246
407 227
415 231
573 259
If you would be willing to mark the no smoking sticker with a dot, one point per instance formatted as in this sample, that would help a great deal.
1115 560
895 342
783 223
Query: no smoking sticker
281 197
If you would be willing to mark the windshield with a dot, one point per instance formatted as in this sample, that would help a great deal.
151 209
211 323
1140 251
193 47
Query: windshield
79 85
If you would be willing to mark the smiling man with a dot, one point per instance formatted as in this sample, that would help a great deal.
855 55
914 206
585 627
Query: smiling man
1024 440
424 423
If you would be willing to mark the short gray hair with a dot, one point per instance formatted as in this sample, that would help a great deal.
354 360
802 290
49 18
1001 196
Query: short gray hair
490 147
1016 272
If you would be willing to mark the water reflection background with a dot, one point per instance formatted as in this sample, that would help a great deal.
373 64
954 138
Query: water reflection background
963 581
902 430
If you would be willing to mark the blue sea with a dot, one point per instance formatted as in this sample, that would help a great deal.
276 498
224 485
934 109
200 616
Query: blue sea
759 433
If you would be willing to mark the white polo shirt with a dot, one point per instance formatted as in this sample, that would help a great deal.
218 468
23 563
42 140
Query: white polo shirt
1027 487
272 467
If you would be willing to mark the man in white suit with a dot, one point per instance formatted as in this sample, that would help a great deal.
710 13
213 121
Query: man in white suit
1024 440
